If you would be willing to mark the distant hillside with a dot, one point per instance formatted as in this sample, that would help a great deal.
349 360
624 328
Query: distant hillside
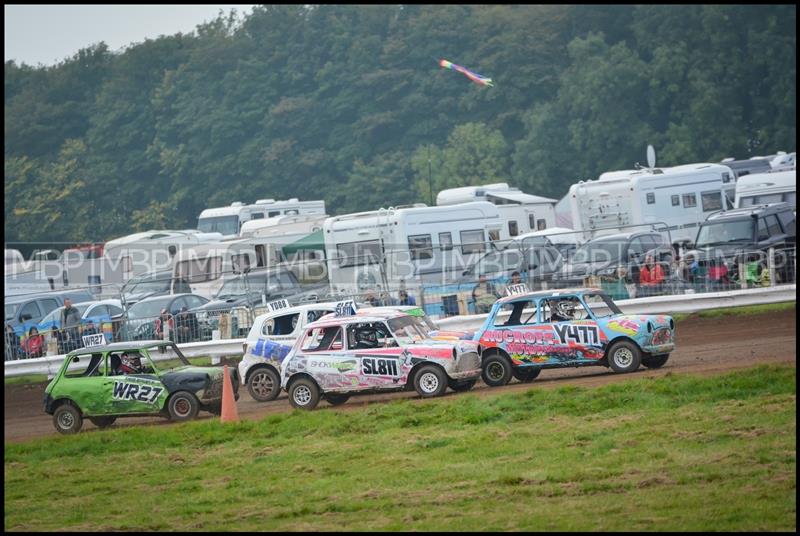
348 104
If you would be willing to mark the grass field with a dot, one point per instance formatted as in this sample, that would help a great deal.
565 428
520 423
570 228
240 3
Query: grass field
676 452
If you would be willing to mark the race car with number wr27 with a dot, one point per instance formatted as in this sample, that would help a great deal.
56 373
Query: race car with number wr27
373 351
530 331
104 382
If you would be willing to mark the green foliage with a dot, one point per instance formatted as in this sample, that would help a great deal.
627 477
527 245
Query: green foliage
345 103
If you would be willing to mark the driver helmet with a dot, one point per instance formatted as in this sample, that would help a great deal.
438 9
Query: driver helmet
366 335
566 308
131 362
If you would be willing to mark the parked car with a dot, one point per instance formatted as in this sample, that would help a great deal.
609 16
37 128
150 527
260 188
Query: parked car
253 291
604 255
92 384
531 331
366 353
533 258
141 319
154 284
101 316
25 312
748 233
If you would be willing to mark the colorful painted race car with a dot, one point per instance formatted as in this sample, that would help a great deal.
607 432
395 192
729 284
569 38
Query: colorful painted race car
371 351
530 331
102 383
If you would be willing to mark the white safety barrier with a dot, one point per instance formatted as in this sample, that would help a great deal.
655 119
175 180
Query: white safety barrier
683 303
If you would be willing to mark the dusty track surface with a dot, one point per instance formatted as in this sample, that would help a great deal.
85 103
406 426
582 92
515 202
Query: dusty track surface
704 346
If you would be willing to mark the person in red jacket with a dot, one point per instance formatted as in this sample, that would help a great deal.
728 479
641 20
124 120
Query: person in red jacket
34 344
651 275
167 319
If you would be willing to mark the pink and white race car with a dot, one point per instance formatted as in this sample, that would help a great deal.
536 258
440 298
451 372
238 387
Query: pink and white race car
372 351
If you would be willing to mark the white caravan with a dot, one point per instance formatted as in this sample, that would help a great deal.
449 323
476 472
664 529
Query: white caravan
762 188
679 197
229 220
152 251
390 248
206 267
522 213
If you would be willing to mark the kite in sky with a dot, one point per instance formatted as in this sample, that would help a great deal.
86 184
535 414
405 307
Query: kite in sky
475 77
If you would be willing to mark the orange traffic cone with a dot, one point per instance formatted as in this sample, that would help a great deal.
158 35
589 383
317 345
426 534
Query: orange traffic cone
229 412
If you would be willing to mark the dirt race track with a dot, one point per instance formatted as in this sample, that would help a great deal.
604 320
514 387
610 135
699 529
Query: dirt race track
704 346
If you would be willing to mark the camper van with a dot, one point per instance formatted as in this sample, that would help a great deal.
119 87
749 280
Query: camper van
207 266
229 220
388 248
677 198
522 213
763 188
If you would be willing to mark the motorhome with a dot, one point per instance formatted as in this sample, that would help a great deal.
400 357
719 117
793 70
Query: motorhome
299 242
229 220
522 213
763 188
676 199
205 267
155 250
389 248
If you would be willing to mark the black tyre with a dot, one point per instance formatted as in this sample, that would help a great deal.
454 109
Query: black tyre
462 385
496 370
67 419
624 356
527 374
655 361
336 399
183 406
264 384
430 381
102 422
304 394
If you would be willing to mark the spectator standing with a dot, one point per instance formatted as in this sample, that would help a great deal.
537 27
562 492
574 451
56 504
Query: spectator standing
405 299
165 319
70 321
13 348
651 276
185 325
484 295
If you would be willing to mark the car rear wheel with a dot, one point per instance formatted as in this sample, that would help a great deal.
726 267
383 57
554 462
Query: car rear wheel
655 361
496 370
67 419
304 394
624 356
264 384
102 422
527 374
183 406
430 381
336 399
461 386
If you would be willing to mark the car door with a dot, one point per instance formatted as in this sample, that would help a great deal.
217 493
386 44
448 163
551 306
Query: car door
378 354
330 363
517 330
84 382
132 394
577 338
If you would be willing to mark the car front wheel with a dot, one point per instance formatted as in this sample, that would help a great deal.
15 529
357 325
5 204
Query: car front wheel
304 394
183 406
430 381
264 385
624 356
496 370
67 419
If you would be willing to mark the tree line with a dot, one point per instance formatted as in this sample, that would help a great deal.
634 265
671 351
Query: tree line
347 104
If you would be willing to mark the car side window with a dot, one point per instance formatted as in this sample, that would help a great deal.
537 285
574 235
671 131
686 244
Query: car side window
636 247
48 305
787 220
364 336
281 325
84 365
30 311
564 309
313 315
773 226
321 339
522 313
763 233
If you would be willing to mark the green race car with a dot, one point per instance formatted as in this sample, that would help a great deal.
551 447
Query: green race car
102 383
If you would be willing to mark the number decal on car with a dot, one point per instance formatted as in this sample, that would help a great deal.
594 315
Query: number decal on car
136 392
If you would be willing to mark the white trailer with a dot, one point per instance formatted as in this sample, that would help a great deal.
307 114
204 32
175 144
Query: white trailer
404 246
762 188
522 213
229 220
680 197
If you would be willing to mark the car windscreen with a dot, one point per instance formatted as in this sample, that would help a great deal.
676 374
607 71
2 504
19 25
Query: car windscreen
161 366
148 309
601 305
598 251
725 232
498 261
227 225
145 286
406 330
242 286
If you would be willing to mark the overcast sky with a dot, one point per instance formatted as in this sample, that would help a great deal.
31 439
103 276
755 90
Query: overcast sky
47 34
